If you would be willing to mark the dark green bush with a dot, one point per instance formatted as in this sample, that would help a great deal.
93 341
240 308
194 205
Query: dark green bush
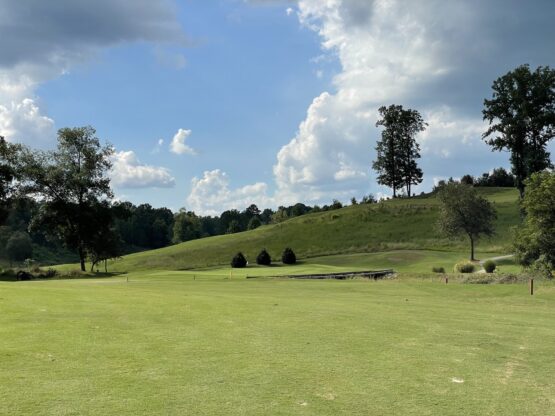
438 270
264 258
464 267
239 261
489 266
288 256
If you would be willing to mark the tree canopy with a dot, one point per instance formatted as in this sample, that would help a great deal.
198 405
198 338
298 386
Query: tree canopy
464 212
521 117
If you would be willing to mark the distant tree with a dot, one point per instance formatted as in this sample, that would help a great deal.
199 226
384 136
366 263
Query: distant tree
227 217
263 258
239 261
501 178
70 181
254 223
463 211
266 216
467 180
368 199
521 117
187 226
354 201
535 241
397 151
8 173
234 227
288 256
19 247
105 242
336 204
280 215
251 211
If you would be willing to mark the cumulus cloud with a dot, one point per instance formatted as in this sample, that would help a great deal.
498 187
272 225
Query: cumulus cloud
129 172
211 194
178 145
439 58
41 40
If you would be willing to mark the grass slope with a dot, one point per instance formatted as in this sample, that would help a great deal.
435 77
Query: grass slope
282 347
391 225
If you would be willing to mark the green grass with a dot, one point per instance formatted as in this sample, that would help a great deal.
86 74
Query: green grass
164 343
389 226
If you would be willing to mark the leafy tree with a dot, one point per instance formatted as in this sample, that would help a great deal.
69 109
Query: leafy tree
186 227
8 173
521 116
398 150
239 261
354 201
336 204
234 227
535 241
70 181
280 215
467 180
251 211
463 211
266 216
227 217
254 223
19 247
288 256
105 242
263 258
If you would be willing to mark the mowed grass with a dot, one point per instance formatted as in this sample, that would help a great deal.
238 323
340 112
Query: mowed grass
402 224
168 344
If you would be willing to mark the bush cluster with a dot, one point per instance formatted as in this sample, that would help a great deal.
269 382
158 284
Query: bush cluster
438 270
264 258
489 266
464 267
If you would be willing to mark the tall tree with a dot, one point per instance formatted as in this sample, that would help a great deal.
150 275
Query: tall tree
535 242
464 212
521 116
8 173
398 151
71 181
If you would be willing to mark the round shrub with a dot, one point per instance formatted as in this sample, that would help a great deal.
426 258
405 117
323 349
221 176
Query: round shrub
464 267
489 266
288 256
438 270
263 258
239 261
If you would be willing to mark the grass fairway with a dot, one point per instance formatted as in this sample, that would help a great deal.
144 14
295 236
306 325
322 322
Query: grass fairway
164 344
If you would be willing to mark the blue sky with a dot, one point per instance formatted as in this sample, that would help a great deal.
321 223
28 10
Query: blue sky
276 100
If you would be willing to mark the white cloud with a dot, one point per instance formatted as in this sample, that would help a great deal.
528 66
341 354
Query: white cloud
129 172
211 194
289 11
23 122
178 145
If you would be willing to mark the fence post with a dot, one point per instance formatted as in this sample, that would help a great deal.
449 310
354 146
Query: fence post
531 285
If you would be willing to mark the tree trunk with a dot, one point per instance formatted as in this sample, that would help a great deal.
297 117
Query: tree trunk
82 259
471 248
394 192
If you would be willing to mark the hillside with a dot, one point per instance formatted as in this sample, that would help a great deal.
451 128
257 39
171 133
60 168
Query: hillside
390 225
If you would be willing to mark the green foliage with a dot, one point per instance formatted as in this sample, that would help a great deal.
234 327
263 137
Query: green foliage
239 261
534 241
288 256
186 226
234 227
263 258
398 150
19 247
464 212
464 267
438 269
254 223
521 117
489 266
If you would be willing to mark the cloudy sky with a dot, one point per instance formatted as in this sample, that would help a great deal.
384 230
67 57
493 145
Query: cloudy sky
217 104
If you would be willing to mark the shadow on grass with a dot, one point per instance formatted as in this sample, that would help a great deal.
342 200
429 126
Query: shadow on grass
8 277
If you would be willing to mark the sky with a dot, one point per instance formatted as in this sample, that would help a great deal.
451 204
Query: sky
217 104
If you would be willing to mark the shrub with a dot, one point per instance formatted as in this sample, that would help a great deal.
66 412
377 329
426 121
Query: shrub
464 267
23 275
50 273
438 270
19 247
489 266
263 258
288 256
239 261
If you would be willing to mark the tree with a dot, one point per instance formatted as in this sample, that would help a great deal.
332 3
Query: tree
239 261
521 117
263 258
19 247
254 223
234 227
288 256
8 173
467 180
70 181
398 150
186 227
105 242
463 211
535 242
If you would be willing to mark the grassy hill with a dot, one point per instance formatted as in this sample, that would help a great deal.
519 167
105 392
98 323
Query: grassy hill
390 225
